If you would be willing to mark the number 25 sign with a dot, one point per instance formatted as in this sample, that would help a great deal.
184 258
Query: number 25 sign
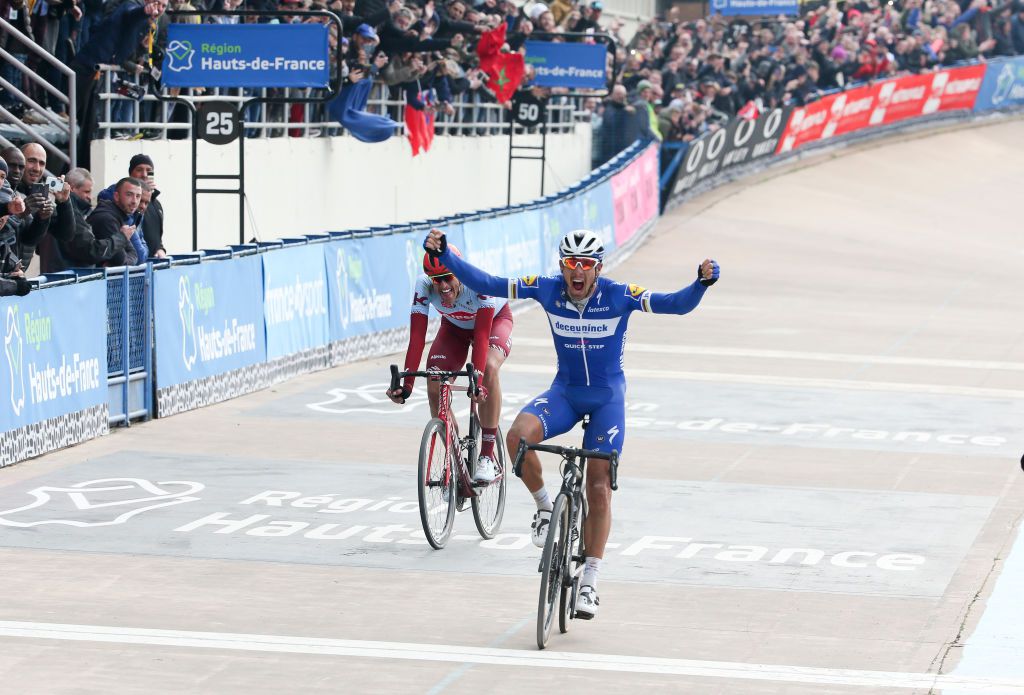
218 122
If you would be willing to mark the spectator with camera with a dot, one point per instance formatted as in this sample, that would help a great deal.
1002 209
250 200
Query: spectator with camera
84 249
28 225
117 216
47 198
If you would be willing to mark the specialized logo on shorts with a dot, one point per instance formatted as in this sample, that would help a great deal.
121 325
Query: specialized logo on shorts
612 433
635 290
528 280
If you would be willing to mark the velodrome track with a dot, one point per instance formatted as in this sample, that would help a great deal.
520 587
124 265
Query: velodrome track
820 493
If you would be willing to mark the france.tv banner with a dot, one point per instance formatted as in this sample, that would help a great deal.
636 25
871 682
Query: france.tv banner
209 319
247 55
295 300
578 65
755 7
55 354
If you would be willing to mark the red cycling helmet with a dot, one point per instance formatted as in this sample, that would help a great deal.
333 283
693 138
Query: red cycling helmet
433 266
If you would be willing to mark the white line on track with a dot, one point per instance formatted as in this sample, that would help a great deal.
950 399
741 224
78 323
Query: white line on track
793 381
503 657
801 356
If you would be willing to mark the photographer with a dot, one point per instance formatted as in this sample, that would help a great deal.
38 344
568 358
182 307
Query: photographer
112 41
48 199
30 224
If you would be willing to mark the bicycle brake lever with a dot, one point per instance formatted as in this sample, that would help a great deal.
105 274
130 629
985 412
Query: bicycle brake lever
394 377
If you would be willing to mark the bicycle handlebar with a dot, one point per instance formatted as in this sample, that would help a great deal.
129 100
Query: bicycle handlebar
469 371
569 453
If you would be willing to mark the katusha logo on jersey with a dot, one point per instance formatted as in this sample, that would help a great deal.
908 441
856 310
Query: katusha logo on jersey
94 503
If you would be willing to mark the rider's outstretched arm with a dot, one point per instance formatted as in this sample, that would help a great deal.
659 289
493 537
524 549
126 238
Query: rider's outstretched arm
682 302
474 278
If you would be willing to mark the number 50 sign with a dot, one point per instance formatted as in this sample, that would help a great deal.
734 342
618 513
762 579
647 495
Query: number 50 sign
218 122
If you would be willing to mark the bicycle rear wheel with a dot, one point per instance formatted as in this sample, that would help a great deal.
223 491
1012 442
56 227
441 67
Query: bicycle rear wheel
552 568
489 503
574 558
437 485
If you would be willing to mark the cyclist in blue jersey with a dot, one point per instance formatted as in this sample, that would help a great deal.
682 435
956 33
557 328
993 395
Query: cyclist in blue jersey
588 316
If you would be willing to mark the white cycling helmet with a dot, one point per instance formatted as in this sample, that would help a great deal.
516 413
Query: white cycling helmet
581 242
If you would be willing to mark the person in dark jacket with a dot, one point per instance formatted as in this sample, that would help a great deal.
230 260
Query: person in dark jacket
84 249
114 40
619 127
113 217
152 224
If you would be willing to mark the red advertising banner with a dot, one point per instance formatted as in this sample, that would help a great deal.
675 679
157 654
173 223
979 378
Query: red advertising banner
635 192
882 103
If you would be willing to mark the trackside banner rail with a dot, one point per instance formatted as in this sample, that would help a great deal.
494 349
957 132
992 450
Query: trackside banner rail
839 117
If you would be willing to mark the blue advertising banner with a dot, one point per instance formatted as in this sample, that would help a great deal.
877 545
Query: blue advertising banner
506 246
371 281
755 7
209 319
580 65
246 55
1003 85
55 353
295 300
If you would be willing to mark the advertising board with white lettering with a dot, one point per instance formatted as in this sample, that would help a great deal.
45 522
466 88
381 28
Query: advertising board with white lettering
635 195
578 65
208 319
754 7
370 282
1003 85
295 300
246 55
55 353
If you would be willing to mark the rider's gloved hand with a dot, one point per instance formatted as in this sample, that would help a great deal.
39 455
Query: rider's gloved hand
481 394
399 395
440 241
707 272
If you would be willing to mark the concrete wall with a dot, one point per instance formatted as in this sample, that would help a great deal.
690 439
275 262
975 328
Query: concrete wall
309 185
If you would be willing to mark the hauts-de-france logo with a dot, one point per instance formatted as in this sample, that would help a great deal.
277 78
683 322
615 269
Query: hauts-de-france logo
104 502
187 313
413 258
179 55
14 347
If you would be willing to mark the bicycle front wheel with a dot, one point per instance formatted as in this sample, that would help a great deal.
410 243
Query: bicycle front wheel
489 503
552 565
437 481
574 560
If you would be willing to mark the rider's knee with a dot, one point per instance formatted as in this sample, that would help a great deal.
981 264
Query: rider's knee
599 493
494 361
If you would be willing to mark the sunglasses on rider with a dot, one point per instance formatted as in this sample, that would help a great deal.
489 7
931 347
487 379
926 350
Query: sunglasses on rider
572 263
438 279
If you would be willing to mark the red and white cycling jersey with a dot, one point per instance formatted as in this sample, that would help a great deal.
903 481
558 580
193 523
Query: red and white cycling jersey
462 313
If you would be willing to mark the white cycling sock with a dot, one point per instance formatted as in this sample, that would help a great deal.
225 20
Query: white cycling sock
590 570
542 499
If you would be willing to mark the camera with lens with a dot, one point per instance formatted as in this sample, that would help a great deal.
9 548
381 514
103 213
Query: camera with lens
128 89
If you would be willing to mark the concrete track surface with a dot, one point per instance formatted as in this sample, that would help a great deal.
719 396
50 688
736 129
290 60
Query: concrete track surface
820 491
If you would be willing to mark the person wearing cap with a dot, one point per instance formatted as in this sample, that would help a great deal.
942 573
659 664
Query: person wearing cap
647 120
590 15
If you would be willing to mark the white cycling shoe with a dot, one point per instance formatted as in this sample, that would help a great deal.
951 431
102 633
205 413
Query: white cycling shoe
539 527
587 602
485 471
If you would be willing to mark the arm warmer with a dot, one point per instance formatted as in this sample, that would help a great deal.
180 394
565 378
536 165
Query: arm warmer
682 302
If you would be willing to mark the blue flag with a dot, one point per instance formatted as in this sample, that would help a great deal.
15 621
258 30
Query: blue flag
347 109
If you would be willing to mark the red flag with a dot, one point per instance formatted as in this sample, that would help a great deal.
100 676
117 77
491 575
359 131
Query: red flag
749 111
504 70
419 124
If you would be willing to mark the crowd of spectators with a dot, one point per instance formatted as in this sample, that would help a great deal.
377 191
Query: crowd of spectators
56 219
675 79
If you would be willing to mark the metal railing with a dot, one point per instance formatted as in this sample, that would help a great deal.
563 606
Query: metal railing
69 127
128 118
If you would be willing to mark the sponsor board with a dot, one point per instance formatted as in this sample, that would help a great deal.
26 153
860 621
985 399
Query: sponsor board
740 142
574 65
635 196
728 535
209 319
295 300
246 55
755 7
55 358
1003 85
882 103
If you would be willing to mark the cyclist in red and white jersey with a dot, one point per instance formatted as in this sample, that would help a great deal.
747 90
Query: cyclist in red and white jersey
467 318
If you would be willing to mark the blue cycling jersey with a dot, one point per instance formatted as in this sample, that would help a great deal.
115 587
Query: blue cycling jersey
589 342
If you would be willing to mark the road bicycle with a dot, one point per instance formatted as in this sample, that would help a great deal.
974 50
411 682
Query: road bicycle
561 564
447 463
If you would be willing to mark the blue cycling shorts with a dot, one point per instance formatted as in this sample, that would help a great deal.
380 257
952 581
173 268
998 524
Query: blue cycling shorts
561 407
